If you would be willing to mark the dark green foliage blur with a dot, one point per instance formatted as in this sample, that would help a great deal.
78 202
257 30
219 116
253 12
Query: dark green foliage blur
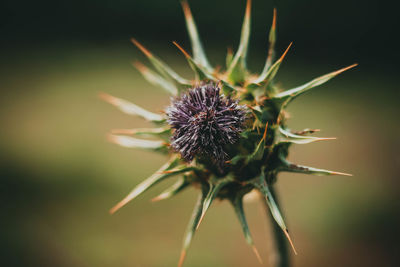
59 175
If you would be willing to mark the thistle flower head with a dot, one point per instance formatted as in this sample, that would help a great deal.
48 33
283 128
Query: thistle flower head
204 122
233 152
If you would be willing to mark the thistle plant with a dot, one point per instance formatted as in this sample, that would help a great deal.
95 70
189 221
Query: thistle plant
225 131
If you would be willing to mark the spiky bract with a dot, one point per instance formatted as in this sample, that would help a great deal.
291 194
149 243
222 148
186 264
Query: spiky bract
207 123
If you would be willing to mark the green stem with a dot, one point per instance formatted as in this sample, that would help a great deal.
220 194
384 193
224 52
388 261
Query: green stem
281 245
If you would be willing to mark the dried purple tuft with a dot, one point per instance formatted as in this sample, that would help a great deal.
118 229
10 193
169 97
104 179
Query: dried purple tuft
204 122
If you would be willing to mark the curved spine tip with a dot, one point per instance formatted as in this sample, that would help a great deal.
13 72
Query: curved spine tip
186 54
139 66
284 53
265 132
144 50
186 9
203 213
122 131
290 241
248 8
273 27
182 258
257 254
347 68
111 138
106 97
118 206
342 173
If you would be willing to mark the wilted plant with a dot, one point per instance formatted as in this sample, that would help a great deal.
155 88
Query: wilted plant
225 131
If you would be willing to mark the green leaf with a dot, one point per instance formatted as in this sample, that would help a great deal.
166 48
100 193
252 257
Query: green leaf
257 111
162 67
163 132
260 148
235 160
192 226
214 187
149 182
290 167
300 139
287 96
131 142
237 70
200 72
237 203
177 187
227 88
198 51
307 131
268 76
132 109
273 207
156 79
229 57
271 48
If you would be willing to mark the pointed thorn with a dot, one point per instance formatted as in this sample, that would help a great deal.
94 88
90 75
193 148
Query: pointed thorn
108 98
157 198
342 173
249 106
290 241
171 170
273 27
284 54
323 139
142 48
112 138
125 200
182 258
201 219
248 8
140 66
186 9
254 125
346 68
123 131
257 254
182 50
265 132
118 206
168 171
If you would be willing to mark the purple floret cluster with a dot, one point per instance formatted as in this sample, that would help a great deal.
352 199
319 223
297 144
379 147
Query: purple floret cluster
204 122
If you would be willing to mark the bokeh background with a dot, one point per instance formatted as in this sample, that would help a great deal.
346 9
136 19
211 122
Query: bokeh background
59 175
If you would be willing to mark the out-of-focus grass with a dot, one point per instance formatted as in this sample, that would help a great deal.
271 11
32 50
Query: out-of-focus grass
60 176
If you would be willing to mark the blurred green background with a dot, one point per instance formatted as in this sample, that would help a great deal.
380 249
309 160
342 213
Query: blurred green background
59 175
